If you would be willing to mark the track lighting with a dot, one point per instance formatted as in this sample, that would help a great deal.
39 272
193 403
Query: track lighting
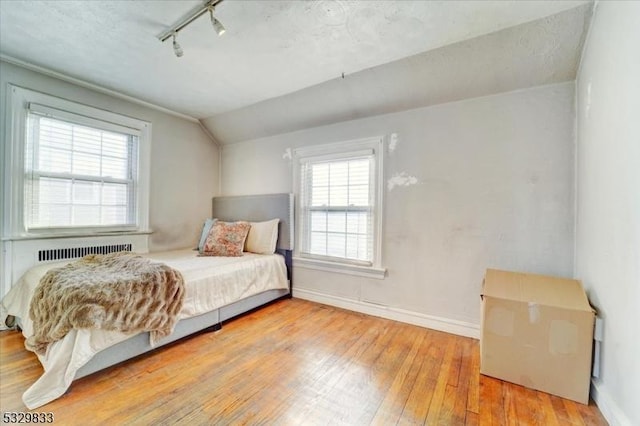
217 25
208 6
176 47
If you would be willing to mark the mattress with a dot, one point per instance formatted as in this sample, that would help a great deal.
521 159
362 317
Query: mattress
210 283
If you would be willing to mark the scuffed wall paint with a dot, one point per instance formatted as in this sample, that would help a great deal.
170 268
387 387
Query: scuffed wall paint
393 142
287 154
401 179
473 206
397 178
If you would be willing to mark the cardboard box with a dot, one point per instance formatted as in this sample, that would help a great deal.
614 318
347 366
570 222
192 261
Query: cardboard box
537 331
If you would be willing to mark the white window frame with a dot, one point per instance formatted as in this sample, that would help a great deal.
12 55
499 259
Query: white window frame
342 150
19 99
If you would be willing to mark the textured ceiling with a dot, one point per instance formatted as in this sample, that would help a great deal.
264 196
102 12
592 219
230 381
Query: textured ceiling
271 48
540 52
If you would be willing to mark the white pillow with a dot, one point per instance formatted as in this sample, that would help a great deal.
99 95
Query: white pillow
262 237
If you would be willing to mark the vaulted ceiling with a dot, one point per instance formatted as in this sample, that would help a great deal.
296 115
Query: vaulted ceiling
280 65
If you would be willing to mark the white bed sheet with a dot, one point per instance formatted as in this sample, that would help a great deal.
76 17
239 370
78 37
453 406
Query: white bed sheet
210 282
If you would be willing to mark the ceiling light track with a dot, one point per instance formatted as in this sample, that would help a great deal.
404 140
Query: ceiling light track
173 31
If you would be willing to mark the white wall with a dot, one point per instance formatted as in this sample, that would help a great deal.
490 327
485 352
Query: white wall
608 200
494 189
184 161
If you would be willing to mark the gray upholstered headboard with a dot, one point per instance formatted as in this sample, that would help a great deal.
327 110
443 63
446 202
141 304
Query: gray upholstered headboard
257 208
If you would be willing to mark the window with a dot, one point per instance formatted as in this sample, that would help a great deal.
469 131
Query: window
339 206
76 169
76 175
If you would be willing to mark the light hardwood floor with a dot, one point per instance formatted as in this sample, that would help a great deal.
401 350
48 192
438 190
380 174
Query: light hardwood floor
300 363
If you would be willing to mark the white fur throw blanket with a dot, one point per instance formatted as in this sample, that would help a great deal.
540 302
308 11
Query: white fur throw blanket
118 291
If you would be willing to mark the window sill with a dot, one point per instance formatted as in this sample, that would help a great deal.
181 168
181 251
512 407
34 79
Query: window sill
341 268
46 236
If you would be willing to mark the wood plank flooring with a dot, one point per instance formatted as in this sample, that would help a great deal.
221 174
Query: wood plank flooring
299 363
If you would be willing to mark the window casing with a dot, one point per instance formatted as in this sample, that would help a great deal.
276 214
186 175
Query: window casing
73 169
339 205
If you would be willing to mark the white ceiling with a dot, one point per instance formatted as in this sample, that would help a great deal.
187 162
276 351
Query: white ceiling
536 53
270 49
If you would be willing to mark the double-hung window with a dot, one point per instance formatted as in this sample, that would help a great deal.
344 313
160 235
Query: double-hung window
79 170
78 175
339 206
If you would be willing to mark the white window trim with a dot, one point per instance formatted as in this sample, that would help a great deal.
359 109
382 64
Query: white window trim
13 227
300 155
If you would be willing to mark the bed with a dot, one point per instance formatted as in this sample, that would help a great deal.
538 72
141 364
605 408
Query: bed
216 289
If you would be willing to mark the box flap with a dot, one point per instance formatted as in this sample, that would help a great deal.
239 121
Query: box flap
539 289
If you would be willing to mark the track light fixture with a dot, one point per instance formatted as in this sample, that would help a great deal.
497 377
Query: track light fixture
217 25
208 6
176 47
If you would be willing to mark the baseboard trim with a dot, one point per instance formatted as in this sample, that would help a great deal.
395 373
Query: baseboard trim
460 328
609 409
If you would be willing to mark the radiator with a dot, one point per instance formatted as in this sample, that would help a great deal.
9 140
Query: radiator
20 255
75 252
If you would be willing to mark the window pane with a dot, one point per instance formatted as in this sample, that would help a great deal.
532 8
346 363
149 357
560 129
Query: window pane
358 247
86 192
85 215
339 196
54 215
54 160
336 222
318 243
339 173
81 176
115 145
55 134
320 174
114 215
365 247
319 184
114 194
352 247
319 196
336 245
114 167
359 195
86 164
53 191
87 140
318 221
357 222
359 172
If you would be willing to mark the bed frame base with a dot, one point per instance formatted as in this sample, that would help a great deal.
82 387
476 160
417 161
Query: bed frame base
210 321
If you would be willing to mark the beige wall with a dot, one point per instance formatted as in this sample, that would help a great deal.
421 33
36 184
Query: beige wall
184 161
608 200
494 189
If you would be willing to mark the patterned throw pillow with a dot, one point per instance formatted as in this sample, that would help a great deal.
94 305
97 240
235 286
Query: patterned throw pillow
226 239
